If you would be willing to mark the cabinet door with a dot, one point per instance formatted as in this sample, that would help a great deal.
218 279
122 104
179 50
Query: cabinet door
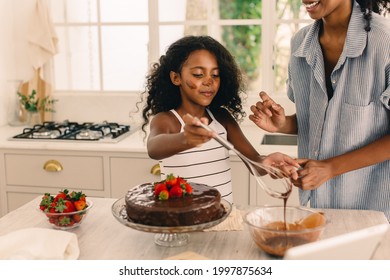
74 171
262 198
130 172
240 182
246 191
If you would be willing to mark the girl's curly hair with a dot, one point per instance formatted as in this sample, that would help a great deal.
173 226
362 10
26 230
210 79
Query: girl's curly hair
376 6
162 95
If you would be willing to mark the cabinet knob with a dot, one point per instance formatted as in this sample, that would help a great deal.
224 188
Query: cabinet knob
155 170
53 166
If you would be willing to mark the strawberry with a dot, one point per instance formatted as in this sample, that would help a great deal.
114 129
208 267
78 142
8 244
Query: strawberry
181 180
47 199
158 188
176 191
80 205
65 221
64 206
163 195
62 194
53 220
69 206
75 196
77 218
188 188
171 180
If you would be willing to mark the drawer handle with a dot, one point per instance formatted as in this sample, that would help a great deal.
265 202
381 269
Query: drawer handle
53 166
155 170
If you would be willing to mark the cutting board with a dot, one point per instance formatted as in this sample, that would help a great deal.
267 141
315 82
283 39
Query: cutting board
41 87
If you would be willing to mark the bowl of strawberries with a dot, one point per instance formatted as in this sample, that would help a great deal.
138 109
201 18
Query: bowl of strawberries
66 210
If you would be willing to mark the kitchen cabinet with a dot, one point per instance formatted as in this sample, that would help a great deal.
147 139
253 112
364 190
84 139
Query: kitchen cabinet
98 174
129 170
28 173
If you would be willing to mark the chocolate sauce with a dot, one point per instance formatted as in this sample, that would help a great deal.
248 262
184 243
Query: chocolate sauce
278 245
286 195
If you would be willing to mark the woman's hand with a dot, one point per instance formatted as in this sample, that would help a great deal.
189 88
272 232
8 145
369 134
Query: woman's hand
313 174
267 114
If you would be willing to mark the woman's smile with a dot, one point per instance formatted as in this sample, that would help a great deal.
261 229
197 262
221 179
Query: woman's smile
310 5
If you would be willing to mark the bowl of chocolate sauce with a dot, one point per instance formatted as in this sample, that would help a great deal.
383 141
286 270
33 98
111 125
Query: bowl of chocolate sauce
275 229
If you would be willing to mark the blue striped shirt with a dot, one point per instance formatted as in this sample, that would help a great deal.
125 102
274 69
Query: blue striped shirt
207 164
356 115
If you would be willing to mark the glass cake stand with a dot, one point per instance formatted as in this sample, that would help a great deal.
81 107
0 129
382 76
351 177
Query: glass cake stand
166 236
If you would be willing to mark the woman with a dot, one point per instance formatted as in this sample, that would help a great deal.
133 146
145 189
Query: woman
339 80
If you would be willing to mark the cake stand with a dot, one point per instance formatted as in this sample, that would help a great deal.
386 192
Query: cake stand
166 236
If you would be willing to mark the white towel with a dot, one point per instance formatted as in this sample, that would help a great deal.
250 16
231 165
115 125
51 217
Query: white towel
42 36
39 244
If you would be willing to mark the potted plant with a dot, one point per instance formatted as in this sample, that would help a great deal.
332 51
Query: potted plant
35 106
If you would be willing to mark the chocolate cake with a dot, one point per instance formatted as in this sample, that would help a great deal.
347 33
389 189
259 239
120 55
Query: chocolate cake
202 206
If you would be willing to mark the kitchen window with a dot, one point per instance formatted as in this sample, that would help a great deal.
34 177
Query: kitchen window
107 46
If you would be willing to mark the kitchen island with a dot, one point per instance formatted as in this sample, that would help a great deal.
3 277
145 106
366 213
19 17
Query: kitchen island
102 237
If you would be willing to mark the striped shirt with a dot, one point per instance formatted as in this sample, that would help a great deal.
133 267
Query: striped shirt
356 115
208 164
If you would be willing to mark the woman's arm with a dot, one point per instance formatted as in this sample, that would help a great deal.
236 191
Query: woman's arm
270 116
317 172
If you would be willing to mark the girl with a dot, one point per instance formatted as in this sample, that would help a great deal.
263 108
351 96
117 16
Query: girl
197 79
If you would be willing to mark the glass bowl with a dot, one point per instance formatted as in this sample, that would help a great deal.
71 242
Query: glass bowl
65 221
267 226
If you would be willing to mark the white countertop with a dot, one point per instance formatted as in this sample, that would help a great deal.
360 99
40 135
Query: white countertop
132 143
95 235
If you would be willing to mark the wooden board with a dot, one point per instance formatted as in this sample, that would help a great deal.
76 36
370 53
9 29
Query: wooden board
42 88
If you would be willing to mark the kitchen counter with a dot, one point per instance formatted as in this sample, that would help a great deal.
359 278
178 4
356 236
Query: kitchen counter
132 143
101 236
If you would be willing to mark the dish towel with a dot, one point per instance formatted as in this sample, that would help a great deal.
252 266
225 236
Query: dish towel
39 244
42 36
233 222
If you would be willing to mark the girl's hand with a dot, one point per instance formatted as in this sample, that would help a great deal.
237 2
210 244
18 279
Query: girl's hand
267 114
194 134
288 165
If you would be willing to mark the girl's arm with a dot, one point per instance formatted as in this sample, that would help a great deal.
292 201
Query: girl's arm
165 138
242 144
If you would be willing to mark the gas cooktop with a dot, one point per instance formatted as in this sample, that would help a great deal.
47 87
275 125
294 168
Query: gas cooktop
106 132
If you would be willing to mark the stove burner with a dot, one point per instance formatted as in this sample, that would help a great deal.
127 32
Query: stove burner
46 134
101 132
89 134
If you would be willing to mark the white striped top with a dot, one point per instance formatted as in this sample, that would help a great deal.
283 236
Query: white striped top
356 115
208 164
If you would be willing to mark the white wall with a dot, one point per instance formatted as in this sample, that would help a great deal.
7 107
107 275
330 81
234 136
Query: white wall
6 65
15 64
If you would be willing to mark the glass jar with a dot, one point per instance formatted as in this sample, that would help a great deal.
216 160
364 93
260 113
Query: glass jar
15 111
